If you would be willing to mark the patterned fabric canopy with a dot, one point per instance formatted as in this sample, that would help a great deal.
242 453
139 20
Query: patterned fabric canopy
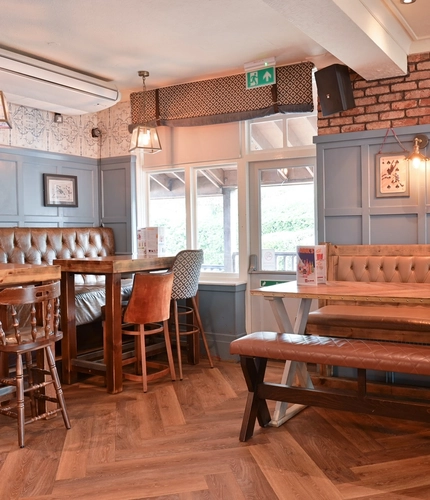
227 99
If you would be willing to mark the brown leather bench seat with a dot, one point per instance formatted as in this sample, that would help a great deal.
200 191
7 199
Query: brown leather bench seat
397 323
353 353
257 348
375 263
90 299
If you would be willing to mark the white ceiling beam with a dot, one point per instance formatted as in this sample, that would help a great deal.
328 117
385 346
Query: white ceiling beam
349 31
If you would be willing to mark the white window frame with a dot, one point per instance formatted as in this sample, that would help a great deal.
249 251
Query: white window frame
244 196
190 176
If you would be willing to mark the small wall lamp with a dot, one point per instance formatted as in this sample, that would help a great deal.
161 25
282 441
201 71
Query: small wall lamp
4 112
416 158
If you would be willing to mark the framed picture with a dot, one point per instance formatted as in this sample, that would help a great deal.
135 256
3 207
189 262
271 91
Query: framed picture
392 175
60 190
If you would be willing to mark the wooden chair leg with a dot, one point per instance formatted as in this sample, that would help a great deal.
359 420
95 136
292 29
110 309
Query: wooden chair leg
178 337
138 339
57 385
30 378
200 325
20 399
169 350
143 357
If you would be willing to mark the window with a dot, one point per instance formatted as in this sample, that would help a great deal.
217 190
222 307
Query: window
286 215
213 226
285 132
217 218
282 190
167 207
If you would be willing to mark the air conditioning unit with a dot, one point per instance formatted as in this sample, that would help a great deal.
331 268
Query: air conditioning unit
42 85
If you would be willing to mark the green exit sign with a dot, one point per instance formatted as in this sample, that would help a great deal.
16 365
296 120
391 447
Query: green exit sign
261 77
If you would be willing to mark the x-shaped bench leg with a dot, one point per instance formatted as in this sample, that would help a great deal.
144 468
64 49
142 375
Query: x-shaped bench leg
253 370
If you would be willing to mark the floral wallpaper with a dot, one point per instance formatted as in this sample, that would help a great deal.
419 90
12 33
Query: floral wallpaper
36 129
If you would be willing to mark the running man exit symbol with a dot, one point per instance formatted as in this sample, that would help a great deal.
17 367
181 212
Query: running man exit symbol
261 77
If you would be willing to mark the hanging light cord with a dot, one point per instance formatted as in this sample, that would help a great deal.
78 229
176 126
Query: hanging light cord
143 74
395 136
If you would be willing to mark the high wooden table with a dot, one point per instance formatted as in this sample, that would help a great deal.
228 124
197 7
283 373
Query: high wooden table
112 267
407 293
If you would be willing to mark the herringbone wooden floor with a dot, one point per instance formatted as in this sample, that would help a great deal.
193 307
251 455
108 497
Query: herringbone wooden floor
180 441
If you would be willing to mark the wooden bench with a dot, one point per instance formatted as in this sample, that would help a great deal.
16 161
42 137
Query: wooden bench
257 348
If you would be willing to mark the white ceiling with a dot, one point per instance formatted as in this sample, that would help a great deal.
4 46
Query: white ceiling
179 41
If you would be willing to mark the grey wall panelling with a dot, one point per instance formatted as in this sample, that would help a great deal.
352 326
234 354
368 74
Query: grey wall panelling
21 188
118 200
349 212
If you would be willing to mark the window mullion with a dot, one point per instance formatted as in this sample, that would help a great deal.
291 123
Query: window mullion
190 203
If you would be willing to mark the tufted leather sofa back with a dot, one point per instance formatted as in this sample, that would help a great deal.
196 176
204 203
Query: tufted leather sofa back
30 245
396 269
389 263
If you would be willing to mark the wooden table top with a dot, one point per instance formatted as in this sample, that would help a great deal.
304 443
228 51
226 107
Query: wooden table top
417 293
19 274
114 264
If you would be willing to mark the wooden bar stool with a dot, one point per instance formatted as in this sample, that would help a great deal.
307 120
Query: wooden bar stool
146 314
31 324
186 270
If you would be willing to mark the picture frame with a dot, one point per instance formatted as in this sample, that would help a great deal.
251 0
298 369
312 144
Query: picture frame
392 175
60 190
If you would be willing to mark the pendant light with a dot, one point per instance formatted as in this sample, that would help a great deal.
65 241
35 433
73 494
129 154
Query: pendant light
144 136
4 112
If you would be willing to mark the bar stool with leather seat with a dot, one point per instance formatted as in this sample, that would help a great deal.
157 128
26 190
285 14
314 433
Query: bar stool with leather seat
30 319
186 269
147 313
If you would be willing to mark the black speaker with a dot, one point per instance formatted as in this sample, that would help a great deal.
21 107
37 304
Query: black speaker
334 89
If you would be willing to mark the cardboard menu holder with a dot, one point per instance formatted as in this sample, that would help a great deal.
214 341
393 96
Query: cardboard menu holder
311 265
151 242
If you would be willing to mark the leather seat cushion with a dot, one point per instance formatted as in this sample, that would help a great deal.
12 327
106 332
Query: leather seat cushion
410 318
91 298
355 353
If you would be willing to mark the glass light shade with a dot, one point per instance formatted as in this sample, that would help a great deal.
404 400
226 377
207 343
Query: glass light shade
417 158
146 138
4 113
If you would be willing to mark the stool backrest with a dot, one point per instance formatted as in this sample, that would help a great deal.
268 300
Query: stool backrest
186 270
150 298
37 308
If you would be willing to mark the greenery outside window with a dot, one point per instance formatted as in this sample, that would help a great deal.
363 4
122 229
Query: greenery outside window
212 226
286 214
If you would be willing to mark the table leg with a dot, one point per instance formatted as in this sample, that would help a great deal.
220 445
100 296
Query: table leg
280 313
293 369
113 337
69 348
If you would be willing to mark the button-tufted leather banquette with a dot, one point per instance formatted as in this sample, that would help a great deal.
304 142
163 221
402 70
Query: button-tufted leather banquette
368 263
36 245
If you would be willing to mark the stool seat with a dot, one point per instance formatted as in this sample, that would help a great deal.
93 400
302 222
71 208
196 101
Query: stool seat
147 313
186 270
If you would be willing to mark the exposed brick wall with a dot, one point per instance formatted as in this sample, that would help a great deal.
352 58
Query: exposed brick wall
381 104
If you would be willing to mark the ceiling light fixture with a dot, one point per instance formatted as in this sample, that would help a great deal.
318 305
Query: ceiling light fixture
144 136
407 1
4 112
420 142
